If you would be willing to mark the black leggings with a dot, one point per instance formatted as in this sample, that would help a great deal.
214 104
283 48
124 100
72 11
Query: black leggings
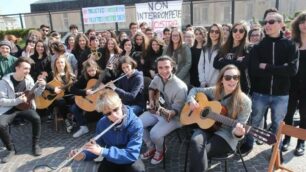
296 100
204 146
6 119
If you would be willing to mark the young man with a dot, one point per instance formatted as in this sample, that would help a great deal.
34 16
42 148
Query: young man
166 35
133 29
6 60
163 119
121 153
273 61
12 87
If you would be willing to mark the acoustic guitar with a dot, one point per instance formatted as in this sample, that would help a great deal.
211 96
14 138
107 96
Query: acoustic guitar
47 97
209 113
88 103
30 95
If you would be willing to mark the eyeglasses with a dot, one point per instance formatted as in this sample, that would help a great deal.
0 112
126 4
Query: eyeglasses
114 110
229 77
236 30
215 31
270 22
255 35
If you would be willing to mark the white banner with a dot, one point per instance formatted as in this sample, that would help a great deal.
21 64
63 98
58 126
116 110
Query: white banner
104 14
159 15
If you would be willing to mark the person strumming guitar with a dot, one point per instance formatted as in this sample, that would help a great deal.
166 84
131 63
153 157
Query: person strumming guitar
11 87
62 73
90 71
206 144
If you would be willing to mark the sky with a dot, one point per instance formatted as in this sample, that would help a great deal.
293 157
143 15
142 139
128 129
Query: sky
15 6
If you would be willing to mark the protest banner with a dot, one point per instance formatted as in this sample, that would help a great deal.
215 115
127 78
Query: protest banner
104 14
159 15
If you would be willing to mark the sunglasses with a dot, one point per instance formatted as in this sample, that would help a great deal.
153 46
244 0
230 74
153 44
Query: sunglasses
114 110
270 22
215 31
229 77
236 30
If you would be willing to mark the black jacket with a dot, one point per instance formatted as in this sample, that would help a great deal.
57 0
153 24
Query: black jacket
280 55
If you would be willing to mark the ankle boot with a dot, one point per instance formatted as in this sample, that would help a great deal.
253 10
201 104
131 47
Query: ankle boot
9 156
300 148
36 148
286 143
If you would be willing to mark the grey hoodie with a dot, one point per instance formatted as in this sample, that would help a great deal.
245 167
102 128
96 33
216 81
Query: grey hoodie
7 92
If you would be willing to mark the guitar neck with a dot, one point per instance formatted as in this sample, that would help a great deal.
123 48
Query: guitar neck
226 121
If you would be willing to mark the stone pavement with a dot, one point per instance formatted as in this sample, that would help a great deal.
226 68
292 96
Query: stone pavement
56 146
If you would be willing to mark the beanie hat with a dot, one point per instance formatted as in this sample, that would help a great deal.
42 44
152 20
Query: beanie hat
7 43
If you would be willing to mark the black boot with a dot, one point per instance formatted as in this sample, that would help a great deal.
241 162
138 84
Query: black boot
9 156
36 148
286 143
300 148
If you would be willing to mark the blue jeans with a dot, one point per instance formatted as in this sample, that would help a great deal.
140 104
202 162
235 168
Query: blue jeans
136 109
260 103
78 115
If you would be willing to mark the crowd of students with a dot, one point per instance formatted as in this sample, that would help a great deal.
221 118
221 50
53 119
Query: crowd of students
248 68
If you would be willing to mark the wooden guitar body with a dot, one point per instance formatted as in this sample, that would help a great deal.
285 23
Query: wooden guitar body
88 103
199 115
209 112
46 98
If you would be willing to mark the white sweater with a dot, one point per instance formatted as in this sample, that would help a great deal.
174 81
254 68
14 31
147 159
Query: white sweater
207 73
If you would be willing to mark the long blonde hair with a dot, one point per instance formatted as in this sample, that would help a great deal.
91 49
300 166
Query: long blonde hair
236 98
68 71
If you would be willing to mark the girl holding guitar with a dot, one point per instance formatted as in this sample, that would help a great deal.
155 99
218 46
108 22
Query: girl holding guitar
63 74
206 144
90 71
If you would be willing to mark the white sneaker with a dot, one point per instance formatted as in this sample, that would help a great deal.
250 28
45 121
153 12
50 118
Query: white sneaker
83 130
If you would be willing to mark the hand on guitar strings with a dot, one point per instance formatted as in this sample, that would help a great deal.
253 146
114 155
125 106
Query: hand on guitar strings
239 130
168 114
89 92
193 105
57 90
23 97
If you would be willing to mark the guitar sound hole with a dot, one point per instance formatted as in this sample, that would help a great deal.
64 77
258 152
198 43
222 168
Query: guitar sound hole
205 112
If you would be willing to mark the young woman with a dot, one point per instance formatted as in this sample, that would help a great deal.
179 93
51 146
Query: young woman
207 73
122 36
69 42
141 46
189 38
111 58
58 49
181 54
226 31
127 47
236 51
130 87
90 71
255 35
62 72
80 46
196 49
41 60
297 94
155 50
207 144
29 48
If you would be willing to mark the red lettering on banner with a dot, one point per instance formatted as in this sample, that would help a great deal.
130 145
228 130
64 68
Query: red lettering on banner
164 23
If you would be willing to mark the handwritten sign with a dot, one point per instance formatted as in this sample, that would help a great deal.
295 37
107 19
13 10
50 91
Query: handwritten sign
160 14
104 14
